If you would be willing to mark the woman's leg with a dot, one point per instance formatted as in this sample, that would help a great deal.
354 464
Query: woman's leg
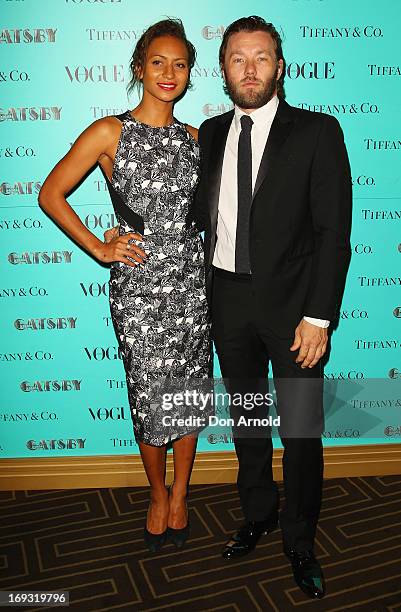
184 453
154 461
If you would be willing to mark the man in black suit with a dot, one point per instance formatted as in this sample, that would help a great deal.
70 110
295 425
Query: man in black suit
275 204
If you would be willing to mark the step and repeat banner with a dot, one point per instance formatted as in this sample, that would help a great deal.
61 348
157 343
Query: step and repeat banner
64 64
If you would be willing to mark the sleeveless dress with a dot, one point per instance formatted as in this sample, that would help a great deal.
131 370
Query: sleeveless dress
159 309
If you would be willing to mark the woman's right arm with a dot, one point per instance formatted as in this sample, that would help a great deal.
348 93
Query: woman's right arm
98 139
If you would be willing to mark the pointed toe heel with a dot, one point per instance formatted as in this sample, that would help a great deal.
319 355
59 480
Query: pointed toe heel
154 541
178 536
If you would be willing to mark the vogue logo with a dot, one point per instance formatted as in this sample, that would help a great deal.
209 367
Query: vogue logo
50 385
37 35
351 32
96 74
117 413
210 32
54 323
56 444
95 289
311 70
34 113
23 292
26 188
211 110
39 257
105 221
99 353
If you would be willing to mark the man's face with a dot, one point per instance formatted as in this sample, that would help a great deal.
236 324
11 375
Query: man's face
250 69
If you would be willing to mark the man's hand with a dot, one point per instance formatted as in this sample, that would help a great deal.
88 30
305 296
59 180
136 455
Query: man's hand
311 340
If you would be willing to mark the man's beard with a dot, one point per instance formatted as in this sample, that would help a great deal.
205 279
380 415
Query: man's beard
252 98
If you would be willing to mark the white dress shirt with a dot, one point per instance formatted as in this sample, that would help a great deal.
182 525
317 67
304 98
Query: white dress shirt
224 254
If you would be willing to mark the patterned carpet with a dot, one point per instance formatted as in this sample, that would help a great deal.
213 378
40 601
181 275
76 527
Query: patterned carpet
89 542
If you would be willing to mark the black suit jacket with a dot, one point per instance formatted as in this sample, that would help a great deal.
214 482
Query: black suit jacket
300 218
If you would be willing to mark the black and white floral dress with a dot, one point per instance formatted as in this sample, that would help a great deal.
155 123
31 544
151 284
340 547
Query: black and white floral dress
159 309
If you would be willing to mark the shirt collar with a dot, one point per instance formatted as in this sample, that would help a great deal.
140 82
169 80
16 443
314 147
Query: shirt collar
261 117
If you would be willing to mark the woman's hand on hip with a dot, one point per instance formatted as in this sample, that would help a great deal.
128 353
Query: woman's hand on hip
119 248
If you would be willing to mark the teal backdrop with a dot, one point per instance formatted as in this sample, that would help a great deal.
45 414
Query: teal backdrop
64 64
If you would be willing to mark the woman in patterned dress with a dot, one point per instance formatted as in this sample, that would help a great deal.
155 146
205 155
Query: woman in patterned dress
157 294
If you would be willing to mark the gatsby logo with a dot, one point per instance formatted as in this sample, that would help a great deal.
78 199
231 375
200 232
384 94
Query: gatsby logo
50 385
26 188
33 113
37 35
41 324
39 257
394 373
397 312
68 444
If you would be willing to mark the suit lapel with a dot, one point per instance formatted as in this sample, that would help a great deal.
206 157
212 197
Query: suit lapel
216 163
279 131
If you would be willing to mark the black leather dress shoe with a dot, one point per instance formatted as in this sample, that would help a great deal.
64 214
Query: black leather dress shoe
307 572
246 538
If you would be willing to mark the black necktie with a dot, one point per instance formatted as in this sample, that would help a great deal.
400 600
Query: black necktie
244 177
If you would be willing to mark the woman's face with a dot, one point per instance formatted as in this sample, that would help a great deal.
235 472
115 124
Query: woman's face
166 71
